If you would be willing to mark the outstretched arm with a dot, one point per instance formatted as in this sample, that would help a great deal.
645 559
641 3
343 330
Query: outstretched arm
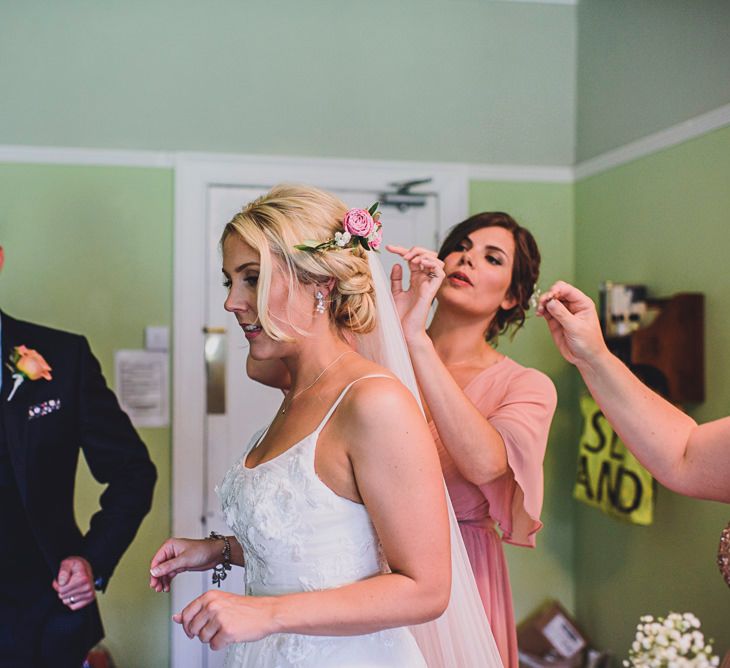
179 555
689 459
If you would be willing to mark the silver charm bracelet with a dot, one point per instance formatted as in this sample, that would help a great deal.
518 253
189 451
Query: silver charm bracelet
219 571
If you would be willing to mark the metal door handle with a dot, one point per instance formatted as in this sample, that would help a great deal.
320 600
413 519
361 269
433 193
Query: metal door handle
215 370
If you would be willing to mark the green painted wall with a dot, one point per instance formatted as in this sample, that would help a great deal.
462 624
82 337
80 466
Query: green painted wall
89 249
646 65
453 80
547 211
662 220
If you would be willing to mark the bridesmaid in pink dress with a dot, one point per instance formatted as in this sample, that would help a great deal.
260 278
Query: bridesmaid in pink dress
489 415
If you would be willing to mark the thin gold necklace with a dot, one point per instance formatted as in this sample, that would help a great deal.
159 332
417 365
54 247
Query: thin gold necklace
469 360
331 364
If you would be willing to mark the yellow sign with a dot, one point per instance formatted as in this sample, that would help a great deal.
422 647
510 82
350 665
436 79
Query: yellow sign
609 476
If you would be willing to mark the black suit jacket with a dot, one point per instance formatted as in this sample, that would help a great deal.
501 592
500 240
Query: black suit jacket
44 451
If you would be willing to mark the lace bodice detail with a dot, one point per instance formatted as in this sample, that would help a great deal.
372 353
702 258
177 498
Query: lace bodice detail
296 533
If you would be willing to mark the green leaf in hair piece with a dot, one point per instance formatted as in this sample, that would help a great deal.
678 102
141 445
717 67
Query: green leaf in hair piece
309 245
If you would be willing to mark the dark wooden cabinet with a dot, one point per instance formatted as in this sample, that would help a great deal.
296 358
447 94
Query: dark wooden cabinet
669 354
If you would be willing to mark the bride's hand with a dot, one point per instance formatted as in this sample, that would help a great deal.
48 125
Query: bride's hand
177 555
220 618
427 274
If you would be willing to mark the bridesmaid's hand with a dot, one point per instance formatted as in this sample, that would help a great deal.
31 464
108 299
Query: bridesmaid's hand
573 322
177 555
427 274
219 618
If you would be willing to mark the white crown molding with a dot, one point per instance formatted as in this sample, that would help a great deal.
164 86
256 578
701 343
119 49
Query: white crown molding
100 157
474 172
534 173
658 141
58 155
276 161
689 129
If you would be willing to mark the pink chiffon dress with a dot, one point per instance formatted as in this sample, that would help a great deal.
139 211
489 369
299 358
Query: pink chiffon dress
519 403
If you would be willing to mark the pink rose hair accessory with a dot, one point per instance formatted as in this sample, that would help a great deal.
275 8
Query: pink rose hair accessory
360 227
359 223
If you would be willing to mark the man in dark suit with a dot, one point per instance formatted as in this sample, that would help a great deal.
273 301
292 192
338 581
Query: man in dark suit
49 571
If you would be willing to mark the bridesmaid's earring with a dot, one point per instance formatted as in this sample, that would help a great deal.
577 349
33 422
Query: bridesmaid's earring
320 302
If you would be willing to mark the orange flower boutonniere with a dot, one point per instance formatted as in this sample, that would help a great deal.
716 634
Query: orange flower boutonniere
27 363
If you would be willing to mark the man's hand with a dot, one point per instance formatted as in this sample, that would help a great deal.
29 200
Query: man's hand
75 583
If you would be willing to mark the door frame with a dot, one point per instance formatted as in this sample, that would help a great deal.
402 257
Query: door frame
194 175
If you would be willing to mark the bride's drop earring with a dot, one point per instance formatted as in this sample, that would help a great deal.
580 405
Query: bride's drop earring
320 302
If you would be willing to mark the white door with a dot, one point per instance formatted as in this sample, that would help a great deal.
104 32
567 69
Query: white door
237 406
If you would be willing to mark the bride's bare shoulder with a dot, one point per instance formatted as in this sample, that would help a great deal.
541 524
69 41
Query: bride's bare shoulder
379 402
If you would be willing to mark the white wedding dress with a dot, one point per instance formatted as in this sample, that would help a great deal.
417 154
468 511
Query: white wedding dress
298 535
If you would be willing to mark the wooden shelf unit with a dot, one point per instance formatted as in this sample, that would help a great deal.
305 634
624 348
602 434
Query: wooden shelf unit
673 344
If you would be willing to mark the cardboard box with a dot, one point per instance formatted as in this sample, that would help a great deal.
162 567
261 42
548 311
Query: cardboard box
551 637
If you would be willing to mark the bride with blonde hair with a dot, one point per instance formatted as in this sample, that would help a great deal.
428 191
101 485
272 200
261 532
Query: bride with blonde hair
338 508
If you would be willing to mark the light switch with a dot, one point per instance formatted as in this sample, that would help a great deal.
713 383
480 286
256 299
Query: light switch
157 338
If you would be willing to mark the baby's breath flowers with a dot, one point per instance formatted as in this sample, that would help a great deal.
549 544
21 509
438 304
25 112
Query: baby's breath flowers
671 642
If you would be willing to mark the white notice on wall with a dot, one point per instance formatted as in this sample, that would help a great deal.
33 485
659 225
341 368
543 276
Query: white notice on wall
142 386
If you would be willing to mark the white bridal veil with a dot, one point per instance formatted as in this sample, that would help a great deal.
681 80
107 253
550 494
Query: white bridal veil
461 637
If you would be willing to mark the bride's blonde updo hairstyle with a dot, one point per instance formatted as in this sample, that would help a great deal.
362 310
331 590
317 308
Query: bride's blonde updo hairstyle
286 216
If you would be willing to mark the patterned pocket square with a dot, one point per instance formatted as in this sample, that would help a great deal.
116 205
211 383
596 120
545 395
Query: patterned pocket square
44 408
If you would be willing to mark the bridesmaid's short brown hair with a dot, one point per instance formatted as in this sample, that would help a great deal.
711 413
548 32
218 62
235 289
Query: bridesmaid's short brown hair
525 266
